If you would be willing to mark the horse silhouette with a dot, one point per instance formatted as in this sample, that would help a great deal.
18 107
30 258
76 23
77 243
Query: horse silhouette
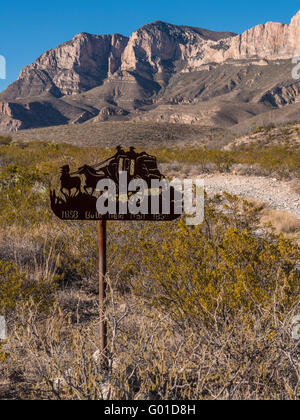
68 182
92 177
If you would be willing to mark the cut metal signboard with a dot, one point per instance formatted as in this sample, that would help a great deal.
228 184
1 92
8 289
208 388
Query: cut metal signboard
127 186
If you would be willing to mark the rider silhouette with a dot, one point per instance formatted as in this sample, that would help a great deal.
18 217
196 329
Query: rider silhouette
132 153
120 152
113 166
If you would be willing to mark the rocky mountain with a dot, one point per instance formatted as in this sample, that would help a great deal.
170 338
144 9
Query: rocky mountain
163 72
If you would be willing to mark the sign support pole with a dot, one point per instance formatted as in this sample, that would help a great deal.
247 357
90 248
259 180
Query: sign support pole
102 287
74 201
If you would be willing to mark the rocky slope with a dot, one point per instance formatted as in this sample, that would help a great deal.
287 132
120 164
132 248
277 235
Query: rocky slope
163 72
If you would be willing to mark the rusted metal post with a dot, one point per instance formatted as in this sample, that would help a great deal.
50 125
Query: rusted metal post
102 286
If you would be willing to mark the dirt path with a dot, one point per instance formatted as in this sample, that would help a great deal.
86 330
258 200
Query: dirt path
278 195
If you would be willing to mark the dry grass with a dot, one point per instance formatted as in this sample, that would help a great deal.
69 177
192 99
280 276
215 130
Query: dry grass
283 222
151 358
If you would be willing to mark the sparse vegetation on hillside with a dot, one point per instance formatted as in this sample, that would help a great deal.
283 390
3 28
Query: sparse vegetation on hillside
270 135
275 161
111 134
269 150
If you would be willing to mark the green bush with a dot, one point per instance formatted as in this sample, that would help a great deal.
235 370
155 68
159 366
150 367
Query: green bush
219 268
11 281
16 287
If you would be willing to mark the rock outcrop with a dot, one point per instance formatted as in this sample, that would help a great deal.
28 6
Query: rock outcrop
271 41
161 48
73 67
282 94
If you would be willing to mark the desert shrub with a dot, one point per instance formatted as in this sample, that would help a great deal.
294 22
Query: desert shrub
20 204
151 358
276 160
223 160
11 286
207 314
220 267
26 181
259 129
5 140
264 129
77 248
17 287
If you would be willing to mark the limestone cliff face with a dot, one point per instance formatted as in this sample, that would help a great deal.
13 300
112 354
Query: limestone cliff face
80 64
294 36
9 121
270 41
161 48
156 50
118 45
6 109
73 67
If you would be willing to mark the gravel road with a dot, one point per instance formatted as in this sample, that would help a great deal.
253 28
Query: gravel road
278 195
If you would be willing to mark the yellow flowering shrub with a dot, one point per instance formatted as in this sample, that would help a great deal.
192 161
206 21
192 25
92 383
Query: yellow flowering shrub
220 267
10 286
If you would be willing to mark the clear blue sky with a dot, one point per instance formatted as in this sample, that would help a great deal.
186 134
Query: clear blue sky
28 28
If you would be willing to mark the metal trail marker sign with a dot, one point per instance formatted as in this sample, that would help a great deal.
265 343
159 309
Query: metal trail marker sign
126 187
79 202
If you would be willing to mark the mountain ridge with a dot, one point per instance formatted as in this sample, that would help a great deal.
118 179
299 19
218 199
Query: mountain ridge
114 77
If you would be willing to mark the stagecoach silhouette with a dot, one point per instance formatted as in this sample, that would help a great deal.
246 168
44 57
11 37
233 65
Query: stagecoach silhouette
78 200
136 165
